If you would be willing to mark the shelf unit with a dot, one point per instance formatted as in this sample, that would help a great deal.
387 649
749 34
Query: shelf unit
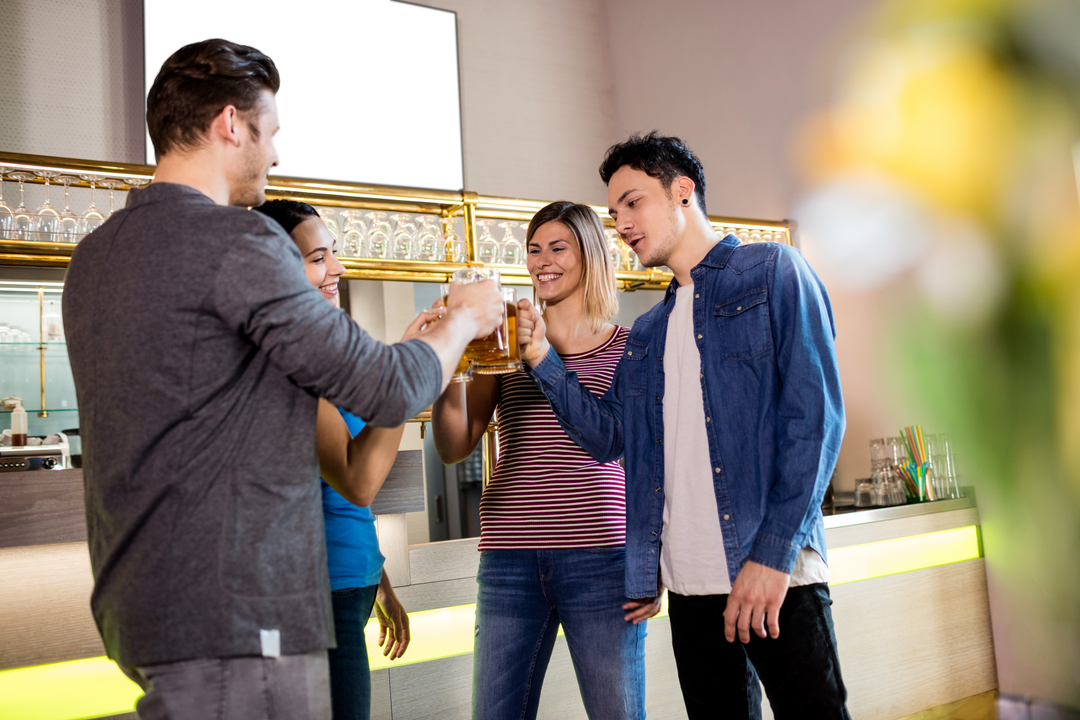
448 205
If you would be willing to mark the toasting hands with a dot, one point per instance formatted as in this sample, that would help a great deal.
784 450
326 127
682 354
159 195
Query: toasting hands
480 303
532 333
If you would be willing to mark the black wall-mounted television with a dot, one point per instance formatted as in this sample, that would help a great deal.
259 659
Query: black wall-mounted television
369 88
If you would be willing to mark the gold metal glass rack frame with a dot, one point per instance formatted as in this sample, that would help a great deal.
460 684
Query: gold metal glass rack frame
447 204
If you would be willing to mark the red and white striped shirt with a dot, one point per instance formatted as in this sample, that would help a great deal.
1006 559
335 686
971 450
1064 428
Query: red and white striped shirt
546 492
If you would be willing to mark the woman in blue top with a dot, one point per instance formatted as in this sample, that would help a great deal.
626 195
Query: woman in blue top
348 449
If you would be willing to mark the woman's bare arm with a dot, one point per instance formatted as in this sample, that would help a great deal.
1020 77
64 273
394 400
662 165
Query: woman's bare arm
355 467
461 415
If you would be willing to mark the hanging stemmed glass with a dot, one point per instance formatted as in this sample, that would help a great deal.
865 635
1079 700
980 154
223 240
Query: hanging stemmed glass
7 213
47 224
622 255
488 248
512 249
453 246
23 222
112 184
136 183
70 223
92 218
327 216
427 239
404 237
352 244
627 258
378 235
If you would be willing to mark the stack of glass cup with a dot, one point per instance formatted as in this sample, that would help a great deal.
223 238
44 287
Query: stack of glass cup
942 473
887 485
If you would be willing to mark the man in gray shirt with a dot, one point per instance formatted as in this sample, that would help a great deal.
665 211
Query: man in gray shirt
199 350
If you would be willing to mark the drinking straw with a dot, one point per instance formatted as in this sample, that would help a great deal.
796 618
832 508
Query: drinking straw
905 473
907 445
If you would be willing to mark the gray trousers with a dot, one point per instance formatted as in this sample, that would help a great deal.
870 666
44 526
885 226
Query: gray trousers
290 687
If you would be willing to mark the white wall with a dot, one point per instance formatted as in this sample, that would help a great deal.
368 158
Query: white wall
537 96
733 79
71 78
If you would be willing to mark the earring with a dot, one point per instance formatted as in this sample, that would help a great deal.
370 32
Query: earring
685 201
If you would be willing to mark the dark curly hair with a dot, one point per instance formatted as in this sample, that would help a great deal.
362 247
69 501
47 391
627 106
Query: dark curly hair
196 83
661 157
288 213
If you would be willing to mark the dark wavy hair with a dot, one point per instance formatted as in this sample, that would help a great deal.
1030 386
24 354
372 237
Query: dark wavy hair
288 213
664 158
196 83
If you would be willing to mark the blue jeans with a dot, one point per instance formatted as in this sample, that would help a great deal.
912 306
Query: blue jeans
523 597
350 676
800 669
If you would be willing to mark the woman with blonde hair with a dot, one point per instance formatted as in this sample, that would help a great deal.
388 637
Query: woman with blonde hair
552 520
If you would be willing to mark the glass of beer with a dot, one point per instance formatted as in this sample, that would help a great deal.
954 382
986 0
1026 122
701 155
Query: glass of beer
464 367
498 353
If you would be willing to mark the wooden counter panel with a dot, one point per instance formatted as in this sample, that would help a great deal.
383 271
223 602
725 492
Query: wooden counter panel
403 490
41 507
380 695
45 605
915 640
431 596
447 560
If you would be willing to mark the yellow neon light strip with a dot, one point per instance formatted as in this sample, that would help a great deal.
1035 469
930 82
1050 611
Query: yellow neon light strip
82 689
903 554
72 690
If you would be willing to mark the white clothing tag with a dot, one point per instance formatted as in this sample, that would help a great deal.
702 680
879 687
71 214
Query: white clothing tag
271 643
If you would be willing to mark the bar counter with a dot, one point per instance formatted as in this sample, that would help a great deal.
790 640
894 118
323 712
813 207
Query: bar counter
908 583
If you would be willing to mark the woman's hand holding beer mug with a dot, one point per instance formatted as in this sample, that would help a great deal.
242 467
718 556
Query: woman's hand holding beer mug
532 333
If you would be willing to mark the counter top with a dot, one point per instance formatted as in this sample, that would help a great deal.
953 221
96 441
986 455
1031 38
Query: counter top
845 515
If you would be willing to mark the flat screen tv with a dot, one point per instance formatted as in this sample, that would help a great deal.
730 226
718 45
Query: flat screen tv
369 88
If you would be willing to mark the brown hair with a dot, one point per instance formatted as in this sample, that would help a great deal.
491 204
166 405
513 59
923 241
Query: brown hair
196 83
601 294
661 157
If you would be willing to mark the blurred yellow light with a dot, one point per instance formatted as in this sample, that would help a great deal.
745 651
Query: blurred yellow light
934 111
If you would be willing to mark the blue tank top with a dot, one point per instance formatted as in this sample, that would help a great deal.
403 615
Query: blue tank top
352 547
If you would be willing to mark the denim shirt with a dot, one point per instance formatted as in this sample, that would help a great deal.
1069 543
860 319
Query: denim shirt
774 411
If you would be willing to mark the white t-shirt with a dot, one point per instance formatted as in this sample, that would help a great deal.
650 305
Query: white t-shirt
692 558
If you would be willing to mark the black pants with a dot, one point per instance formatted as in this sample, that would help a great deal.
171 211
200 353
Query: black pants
800 669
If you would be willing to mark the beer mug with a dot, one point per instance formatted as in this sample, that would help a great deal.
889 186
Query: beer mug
463 373
498 353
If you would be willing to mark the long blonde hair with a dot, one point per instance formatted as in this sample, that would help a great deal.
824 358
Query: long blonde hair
601 295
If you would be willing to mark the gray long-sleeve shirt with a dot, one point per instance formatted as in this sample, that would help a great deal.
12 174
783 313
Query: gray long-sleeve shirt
199 348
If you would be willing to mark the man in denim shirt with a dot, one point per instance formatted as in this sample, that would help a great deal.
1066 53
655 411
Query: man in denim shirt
728 411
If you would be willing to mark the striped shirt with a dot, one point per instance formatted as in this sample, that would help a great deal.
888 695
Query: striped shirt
546 492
